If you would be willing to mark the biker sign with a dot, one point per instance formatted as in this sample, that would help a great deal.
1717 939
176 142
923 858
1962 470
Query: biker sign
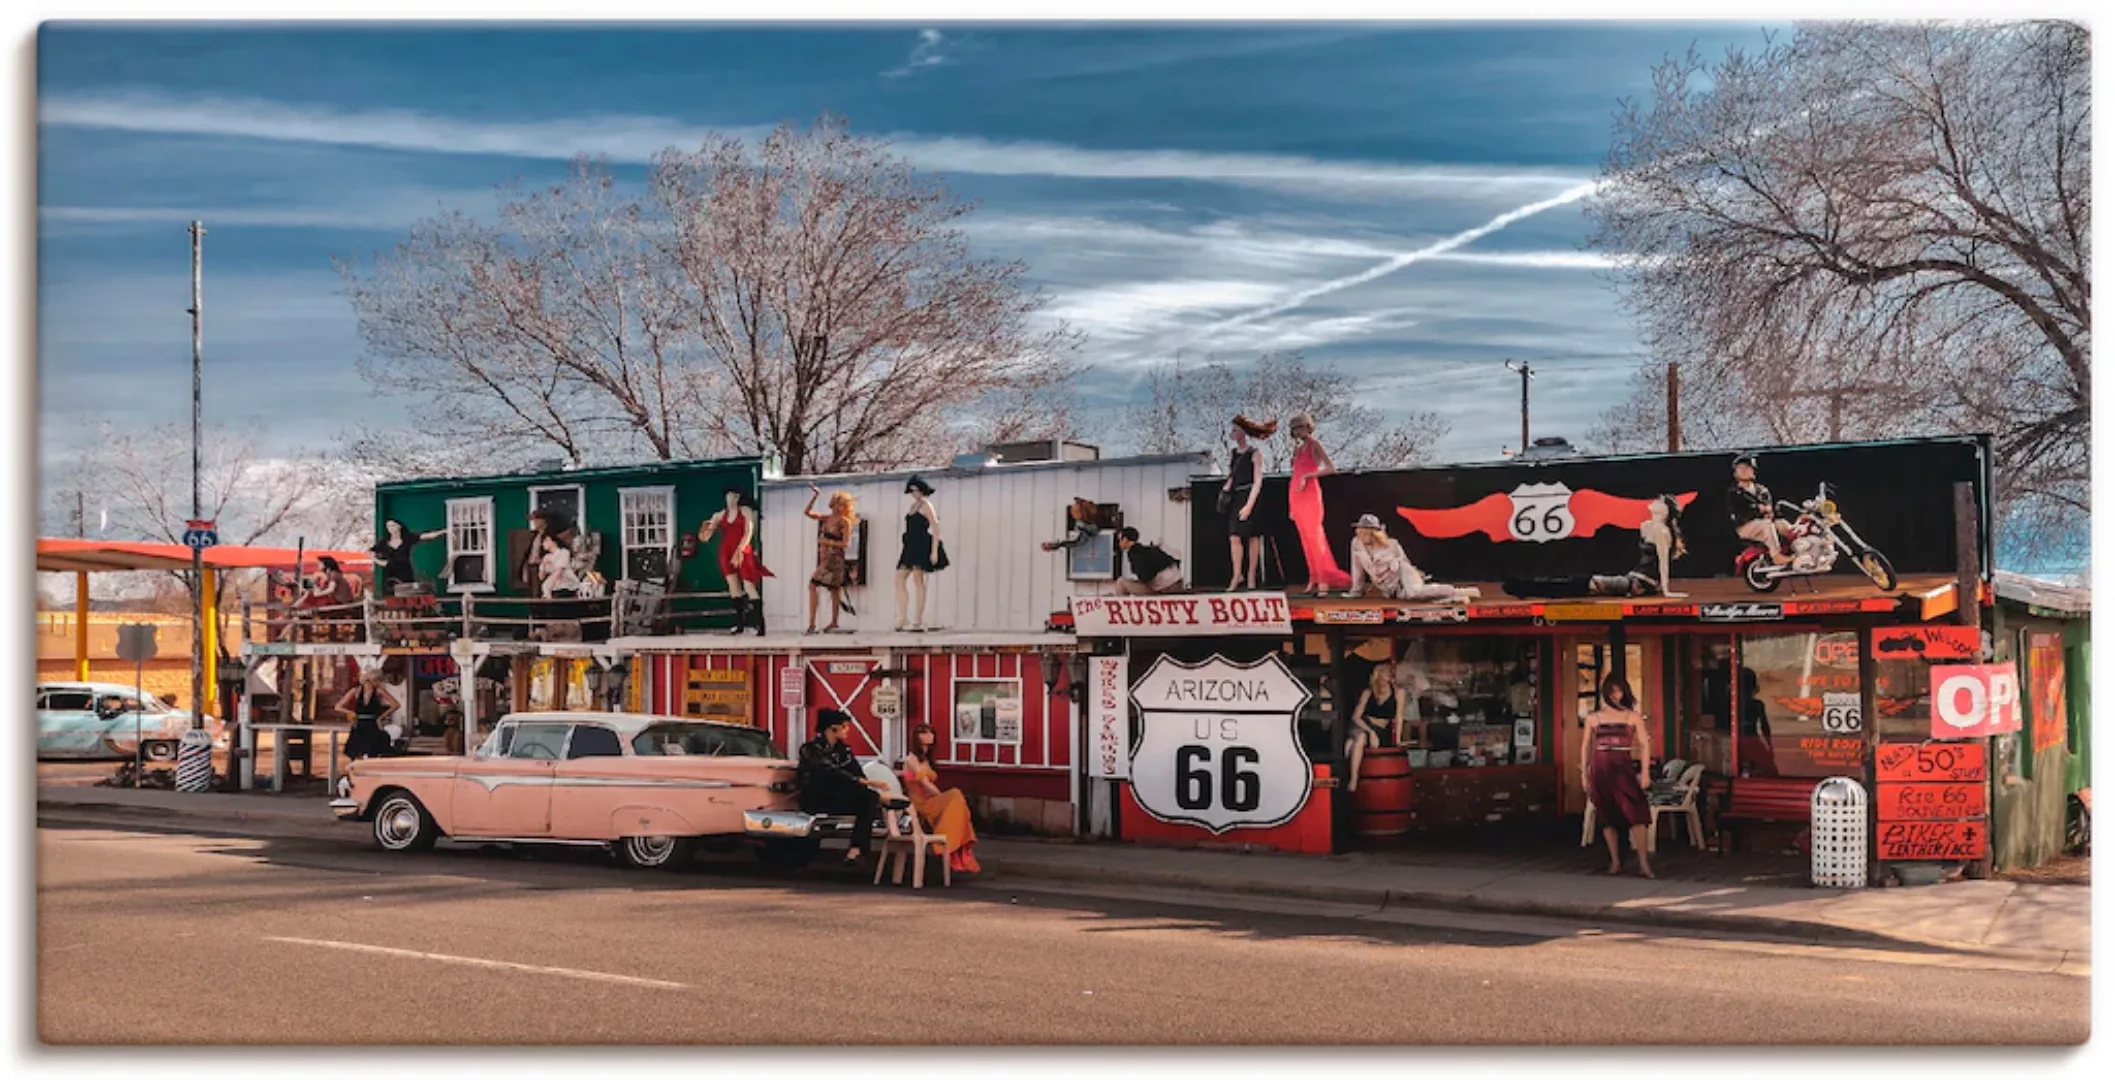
1218 748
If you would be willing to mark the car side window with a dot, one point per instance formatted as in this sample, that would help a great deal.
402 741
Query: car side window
538 742
495 744
70 701
592 741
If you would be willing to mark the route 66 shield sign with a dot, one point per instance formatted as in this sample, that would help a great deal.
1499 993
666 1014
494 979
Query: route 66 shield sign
1218 747
1541 513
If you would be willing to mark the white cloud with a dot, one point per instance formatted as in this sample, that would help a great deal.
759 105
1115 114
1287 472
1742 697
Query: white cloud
635 139
925 54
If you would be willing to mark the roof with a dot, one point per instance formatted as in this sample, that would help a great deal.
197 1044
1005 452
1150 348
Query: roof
627 724
58 555
2042 595
818 643
939 472
566 477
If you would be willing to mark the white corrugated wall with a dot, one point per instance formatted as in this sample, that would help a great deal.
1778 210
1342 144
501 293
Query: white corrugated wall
993 521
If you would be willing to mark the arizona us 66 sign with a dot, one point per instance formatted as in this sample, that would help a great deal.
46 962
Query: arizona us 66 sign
1218 748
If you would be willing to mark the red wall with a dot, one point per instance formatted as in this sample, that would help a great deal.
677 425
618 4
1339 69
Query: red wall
1307 833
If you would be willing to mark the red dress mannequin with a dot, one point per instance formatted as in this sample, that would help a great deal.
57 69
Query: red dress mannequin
1310 463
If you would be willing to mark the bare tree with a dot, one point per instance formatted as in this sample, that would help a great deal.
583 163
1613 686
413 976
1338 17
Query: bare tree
1189 408
811 295
1869 230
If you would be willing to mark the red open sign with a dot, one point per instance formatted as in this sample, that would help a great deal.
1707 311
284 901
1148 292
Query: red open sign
1970 701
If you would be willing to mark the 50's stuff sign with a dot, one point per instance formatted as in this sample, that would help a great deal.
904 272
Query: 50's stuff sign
1181 616
1219 749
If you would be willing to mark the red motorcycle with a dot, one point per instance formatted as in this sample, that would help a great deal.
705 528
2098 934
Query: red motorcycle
1817 537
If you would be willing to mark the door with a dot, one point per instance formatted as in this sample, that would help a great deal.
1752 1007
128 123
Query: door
592 782
1593 660
67 725
509 792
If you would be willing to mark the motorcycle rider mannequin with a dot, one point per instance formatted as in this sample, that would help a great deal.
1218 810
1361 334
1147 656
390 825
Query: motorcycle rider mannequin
1754 511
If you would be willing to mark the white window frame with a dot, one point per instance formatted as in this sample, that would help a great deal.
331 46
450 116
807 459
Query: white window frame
624 524
490 552
954 698
579 499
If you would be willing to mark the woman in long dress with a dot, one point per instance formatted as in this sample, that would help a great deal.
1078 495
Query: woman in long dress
1617 747
1310 463
945 813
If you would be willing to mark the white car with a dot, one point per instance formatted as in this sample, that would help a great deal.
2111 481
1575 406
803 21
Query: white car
106 721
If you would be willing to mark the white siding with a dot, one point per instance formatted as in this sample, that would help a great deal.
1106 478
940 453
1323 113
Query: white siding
993 521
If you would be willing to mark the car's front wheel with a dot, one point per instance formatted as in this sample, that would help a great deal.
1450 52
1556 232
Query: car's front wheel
401 823
651 852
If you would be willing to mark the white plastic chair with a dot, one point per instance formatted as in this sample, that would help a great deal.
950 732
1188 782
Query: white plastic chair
1682 803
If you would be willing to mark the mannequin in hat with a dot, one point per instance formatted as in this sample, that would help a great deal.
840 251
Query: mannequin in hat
1378 565
922 554
1754 511
1237 500
831 781
1310 463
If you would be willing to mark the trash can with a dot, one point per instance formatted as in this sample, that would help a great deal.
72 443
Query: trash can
1840 834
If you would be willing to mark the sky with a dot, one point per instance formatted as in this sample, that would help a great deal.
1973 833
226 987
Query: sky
1404 202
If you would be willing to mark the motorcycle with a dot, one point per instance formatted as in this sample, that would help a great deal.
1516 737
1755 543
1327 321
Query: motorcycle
1818 536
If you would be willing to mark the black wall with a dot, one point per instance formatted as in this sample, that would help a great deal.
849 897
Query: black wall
1898 495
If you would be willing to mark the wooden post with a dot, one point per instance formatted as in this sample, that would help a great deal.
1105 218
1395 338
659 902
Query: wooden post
1968 611
1339 734
1869 722
80 626
209 625
1674 408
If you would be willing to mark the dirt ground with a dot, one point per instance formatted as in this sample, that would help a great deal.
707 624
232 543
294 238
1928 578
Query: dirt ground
2063 870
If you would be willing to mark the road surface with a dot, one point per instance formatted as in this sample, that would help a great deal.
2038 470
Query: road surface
301 940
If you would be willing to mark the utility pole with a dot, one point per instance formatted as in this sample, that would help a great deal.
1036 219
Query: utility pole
198 554
1526 373
1836 396
1674 408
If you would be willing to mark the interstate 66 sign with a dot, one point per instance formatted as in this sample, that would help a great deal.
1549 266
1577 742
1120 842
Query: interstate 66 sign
1218 748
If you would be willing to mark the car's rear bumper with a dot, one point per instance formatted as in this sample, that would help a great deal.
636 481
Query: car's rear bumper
346 809
779 824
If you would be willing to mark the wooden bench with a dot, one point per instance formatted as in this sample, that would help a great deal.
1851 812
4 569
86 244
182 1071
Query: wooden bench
1763 798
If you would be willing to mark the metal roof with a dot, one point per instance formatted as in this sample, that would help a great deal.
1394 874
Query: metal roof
2042 594
58 555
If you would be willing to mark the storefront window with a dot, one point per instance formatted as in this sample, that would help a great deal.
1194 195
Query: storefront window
1706 731
1902 697
1797 703
1476 701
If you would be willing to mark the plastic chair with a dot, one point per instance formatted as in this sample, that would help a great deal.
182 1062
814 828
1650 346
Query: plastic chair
1680 801
907 840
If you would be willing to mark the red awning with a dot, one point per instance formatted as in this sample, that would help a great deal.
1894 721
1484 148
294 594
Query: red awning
68 556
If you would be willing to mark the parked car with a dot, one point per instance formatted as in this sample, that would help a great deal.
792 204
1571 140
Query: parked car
654 788
105 721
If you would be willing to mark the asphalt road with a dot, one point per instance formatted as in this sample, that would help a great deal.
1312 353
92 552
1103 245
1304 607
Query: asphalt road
299 940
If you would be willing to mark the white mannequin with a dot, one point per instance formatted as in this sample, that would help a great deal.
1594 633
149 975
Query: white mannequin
907 575
1660 535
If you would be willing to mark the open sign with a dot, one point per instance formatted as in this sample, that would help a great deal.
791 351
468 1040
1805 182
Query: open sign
1970 701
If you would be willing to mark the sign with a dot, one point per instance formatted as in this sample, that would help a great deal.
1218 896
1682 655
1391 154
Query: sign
135 643
849 667
1582 612
2045 667
1932 802
1108 720
1433 615
1541 513
720 693
1927 643
1971 701
1537 513
1834 753
888 702
271 648
987 710
200 534
1218 748
1181 616
793 687
1741 611
1841 712
1507 611
1350 616
1933 841
1931 763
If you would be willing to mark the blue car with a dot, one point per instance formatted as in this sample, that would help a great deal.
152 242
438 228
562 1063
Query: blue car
105 721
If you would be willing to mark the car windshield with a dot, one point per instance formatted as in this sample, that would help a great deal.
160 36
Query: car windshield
702 740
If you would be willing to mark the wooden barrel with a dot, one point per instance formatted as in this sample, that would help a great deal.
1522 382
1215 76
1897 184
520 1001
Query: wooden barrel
1383 797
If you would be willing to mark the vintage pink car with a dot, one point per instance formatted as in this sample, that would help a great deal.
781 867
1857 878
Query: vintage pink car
654 788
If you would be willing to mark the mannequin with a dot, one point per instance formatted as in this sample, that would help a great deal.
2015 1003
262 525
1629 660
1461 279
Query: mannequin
1310 463
739 565
833 536
922 554
1237 500
1378 565
393 551
1659 544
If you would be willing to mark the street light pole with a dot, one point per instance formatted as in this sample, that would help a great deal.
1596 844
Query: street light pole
1526 373
198 554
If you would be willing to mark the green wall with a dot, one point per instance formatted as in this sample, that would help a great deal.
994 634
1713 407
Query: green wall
2030 806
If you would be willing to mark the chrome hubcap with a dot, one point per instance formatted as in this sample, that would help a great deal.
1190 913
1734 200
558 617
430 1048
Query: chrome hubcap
398 824
650 850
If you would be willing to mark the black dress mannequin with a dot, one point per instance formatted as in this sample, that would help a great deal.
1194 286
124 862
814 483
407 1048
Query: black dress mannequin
393 551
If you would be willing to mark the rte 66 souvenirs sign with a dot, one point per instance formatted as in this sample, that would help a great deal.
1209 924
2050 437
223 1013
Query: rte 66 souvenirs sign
1218 748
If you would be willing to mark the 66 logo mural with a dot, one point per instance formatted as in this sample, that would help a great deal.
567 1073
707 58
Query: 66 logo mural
1218 748
1537 513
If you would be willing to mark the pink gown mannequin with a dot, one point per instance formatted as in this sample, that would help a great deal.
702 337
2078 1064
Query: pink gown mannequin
1309 464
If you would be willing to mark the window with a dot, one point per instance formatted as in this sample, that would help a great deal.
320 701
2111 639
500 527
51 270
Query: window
1476 700
568 502
590 740
1798 706
470 562
703 740
538 742
647 530
1095 557
495 744
988 710
69 701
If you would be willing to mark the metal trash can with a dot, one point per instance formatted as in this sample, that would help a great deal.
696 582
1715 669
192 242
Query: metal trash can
1840 830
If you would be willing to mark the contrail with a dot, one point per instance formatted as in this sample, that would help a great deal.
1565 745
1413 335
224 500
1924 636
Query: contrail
1301 298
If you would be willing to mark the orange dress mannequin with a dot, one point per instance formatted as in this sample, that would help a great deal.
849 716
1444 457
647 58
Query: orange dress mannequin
944 812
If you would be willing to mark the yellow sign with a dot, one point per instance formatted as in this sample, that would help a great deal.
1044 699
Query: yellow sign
1582 612
717 694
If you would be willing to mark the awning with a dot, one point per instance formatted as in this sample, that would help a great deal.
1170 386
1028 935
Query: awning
55 555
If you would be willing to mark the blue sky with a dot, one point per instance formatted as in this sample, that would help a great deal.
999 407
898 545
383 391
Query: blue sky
1209 191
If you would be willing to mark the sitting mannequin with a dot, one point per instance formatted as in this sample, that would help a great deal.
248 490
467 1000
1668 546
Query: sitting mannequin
1659 544
1082 523
1380 568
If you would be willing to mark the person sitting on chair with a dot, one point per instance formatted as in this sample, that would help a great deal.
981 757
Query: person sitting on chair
831 781
1152 570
